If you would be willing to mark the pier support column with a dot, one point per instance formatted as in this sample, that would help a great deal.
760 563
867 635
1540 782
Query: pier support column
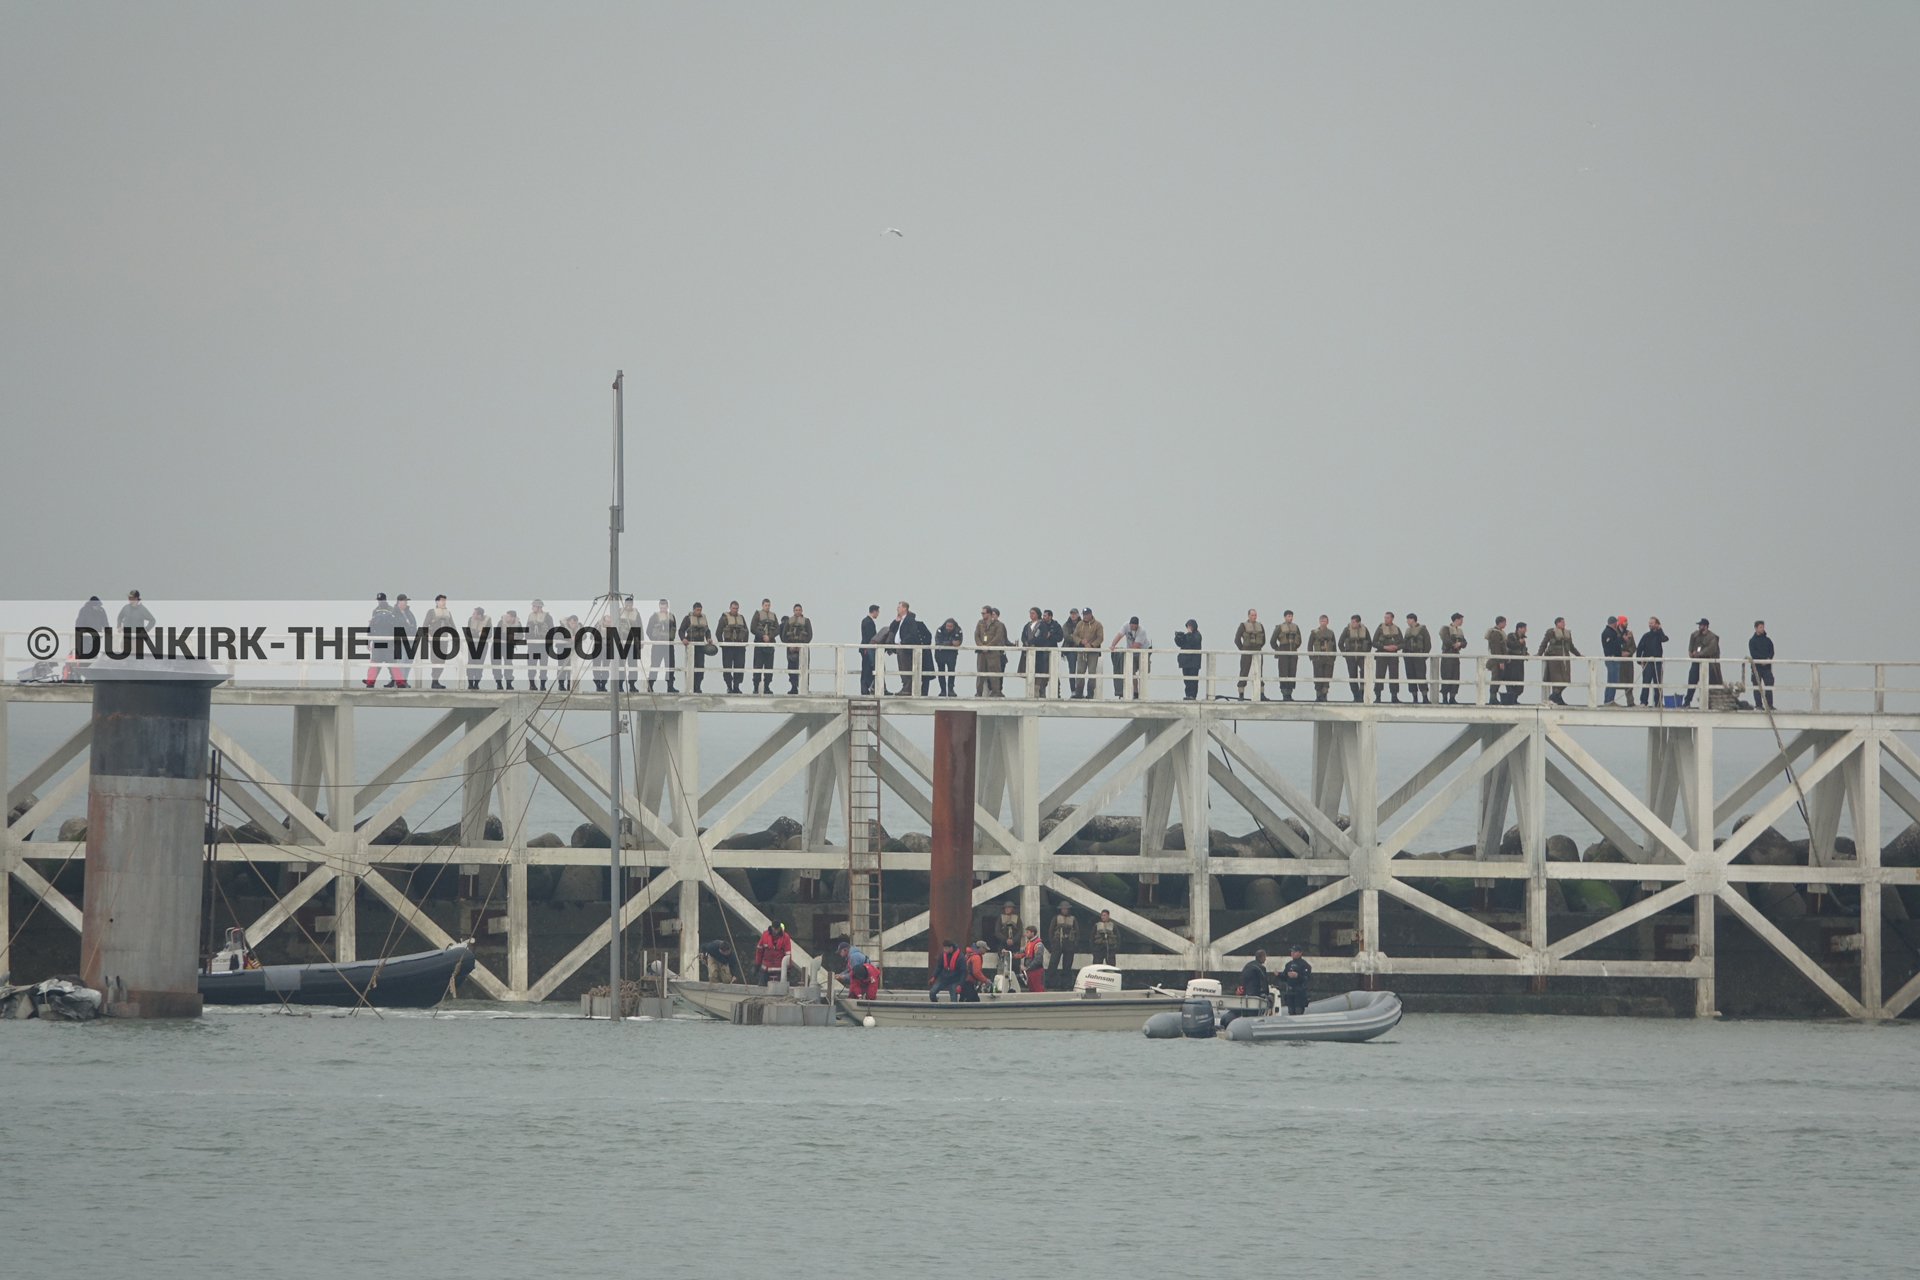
1700 833
340 810
950 878
1864 788
681 734
146 814
1196 820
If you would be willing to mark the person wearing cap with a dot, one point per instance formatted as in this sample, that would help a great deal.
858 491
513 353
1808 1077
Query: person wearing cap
1133 639
796 632
1286 654
973 974
134 615
949 968
1295 974
1416 646
770 954
719 954
1624 634
1453 641
539 623
863 980
1556 646
1610 651
1189 643
1093 638
765 626
698 637
1704 648
380 642
990 641
1653 642
1250 638
1760 650
661 629
1321 641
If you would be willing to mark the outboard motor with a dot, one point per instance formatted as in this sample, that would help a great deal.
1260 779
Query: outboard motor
1196 1019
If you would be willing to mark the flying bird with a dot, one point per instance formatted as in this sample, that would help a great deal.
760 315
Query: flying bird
894 231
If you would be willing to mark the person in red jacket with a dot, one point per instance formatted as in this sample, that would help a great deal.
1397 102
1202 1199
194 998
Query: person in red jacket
770 954
1034 960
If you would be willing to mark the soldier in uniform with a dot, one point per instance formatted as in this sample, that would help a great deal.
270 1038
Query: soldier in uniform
1453 640
1063 935
1387 639
662 627
1007 930
696 635
564 668
989 636
1417 644
1356 640
794 632
1321 641
765 627
1286 648
1093 638
1703 647
732 632
1517 664
503 665
438 618
1496 658
1106 939
1557 646
1250 638
631 632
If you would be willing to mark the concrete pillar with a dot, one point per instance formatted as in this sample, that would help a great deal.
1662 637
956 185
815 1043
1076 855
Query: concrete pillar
146 816
950 889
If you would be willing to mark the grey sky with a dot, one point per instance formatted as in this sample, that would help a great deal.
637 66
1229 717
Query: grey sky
1528 309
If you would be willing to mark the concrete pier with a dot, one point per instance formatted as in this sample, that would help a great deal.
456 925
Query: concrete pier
146 818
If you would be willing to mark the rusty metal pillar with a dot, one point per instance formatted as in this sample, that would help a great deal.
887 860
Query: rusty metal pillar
950 888
146 816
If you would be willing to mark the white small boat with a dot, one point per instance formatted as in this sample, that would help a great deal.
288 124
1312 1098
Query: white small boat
1355 1016
1096 1004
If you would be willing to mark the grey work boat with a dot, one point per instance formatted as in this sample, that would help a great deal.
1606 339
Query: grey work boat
1082 1010
1354 1016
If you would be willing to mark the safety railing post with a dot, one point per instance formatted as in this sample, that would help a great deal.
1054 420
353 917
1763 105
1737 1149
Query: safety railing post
1813 686
1879 688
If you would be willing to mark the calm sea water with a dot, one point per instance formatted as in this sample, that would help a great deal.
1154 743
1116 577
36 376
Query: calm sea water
472 1144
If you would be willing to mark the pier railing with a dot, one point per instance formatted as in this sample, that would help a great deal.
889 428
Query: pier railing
1031 673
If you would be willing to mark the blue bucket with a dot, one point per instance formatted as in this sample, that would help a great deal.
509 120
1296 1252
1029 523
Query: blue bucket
1673 700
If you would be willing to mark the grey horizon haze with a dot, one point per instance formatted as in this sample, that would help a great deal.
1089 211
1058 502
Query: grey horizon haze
1342 309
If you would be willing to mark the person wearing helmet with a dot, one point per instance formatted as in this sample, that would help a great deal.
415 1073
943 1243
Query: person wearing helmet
770 954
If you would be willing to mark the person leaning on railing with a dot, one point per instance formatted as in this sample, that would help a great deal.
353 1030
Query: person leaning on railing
1132 638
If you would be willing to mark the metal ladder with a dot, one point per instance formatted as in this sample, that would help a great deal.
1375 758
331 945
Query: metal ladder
863 826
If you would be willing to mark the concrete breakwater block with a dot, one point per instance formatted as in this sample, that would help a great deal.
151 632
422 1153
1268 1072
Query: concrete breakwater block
644 1007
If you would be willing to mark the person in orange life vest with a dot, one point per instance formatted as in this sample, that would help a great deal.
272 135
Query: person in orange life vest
1034 960
770 954
948 968
863 980
974 971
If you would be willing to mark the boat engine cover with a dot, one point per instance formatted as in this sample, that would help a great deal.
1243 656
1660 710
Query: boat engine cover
1196 1019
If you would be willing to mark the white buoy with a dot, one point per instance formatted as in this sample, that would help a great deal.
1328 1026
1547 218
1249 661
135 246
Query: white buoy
867 1021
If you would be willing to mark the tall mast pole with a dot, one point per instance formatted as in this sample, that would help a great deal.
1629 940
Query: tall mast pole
616 525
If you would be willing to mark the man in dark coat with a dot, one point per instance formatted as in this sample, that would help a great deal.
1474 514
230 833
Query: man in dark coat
869 629
1653 642
1189 643
1760 649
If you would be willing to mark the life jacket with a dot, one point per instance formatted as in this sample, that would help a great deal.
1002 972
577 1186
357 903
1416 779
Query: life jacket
1031 952
975 971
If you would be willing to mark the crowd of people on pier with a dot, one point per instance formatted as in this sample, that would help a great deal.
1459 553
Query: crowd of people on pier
1394 653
